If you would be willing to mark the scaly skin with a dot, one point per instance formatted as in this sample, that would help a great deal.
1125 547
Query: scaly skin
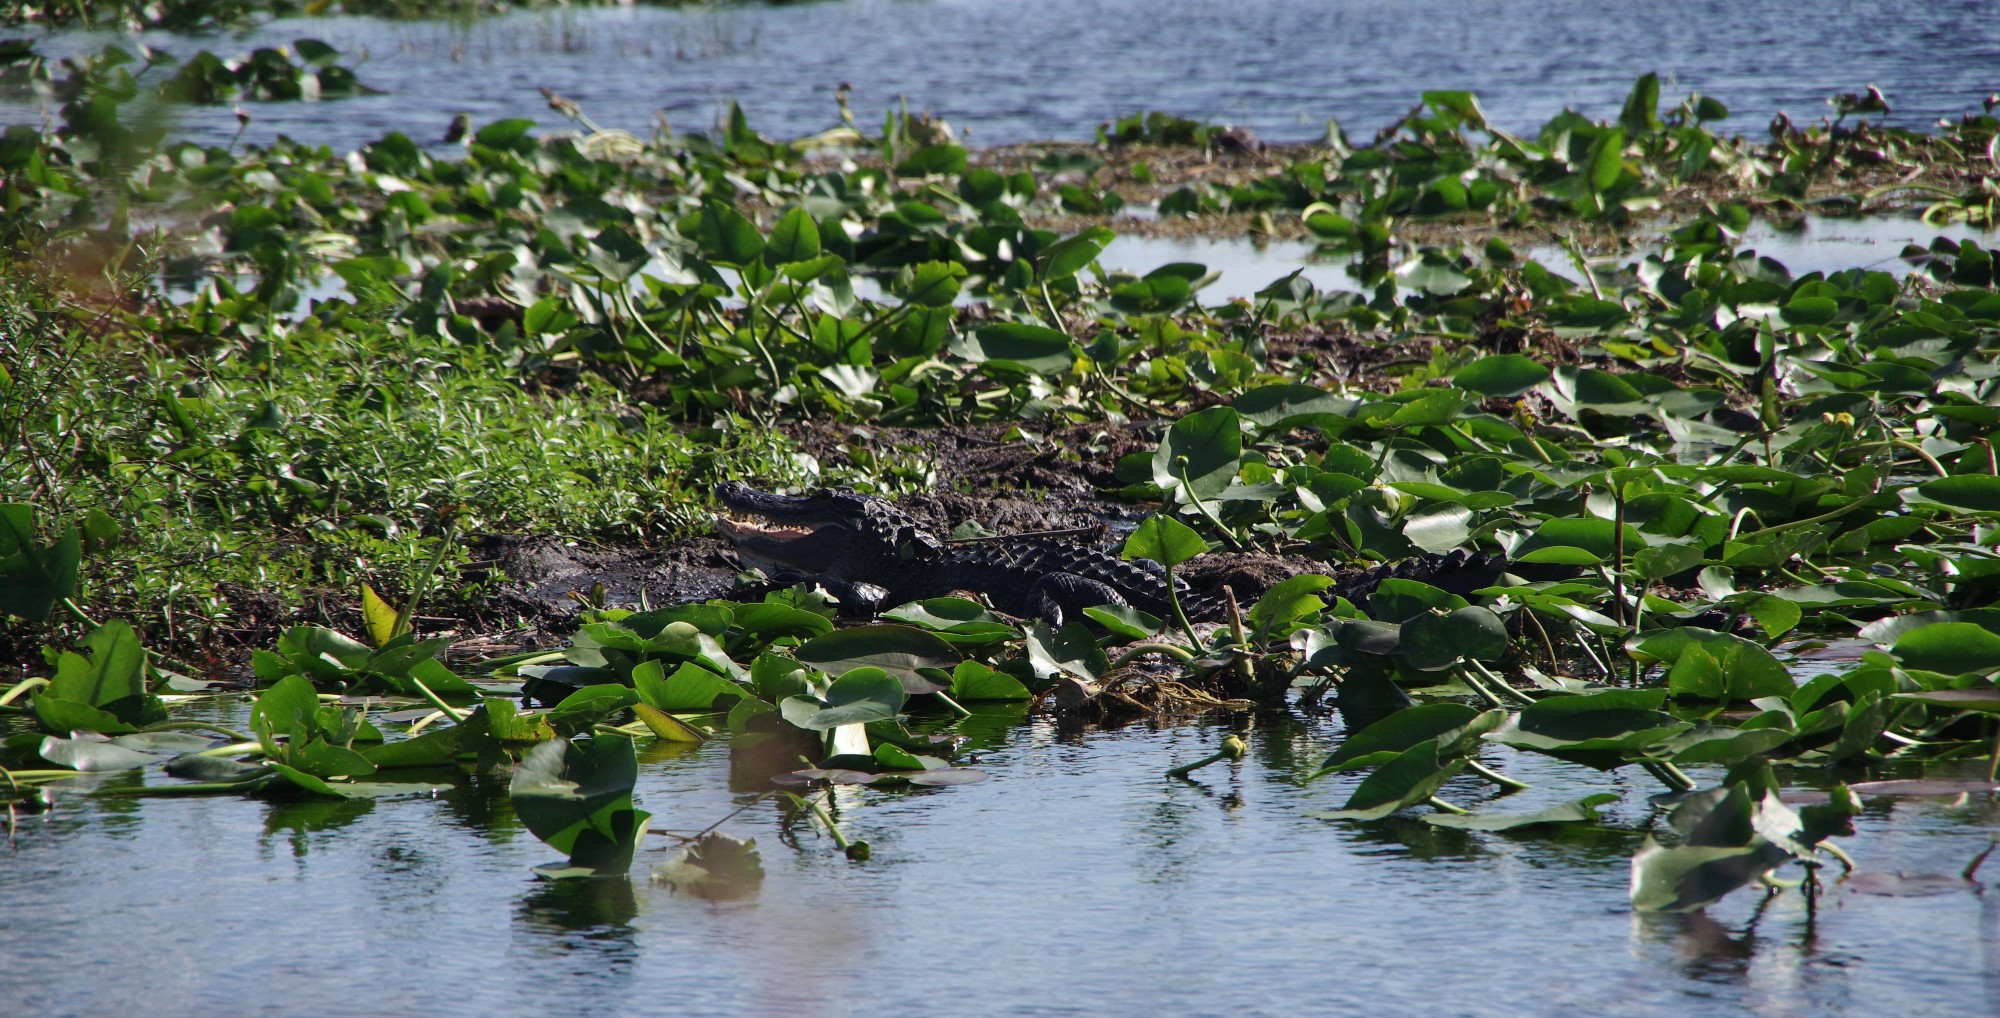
872 555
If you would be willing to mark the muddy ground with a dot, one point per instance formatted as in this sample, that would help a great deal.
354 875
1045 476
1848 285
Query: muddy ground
1006 487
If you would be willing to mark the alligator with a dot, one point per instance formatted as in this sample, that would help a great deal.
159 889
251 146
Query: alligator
871 555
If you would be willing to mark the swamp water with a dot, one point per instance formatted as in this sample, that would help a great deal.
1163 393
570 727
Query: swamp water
1036 70
1077 881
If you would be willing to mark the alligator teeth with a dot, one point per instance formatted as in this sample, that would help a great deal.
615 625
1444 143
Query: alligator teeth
733 528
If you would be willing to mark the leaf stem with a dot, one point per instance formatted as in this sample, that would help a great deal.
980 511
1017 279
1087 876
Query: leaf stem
1139 650
1232 749
22 687
1510 784
855 850
1503 684
1201 506
196 726
449 711
1669 775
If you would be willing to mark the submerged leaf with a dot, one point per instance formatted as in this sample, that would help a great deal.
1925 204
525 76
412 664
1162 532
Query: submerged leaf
714 866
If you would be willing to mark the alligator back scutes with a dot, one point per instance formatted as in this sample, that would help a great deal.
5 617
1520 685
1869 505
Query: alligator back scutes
1143 582
1456 572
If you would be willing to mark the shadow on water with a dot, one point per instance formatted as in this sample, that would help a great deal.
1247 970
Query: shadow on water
294 823
581 930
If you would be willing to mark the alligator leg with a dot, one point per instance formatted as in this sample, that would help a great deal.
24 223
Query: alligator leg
1061 597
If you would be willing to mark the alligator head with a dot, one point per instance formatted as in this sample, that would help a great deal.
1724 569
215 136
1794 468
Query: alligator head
828 533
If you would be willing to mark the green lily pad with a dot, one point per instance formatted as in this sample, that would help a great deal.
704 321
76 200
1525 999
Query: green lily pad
1951 648
1501 375
1413 776
1977 492
1205 447
857 697
901 651
1431 642
577 797
1164 540
1442 722
972 682
1580 811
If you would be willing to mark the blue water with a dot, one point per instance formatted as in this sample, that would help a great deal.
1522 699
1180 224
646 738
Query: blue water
1006 71
1077 881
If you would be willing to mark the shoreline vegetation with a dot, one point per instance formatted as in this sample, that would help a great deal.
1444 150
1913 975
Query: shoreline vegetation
334 425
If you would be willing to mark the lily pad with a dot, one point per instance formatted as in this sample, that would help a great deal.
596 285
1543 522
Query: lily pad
857 697
1581 811
901 651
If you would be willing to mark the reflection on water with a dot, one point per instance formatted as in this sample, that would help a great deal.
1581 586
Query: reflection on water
581 933
293 824
1811 244
1079 880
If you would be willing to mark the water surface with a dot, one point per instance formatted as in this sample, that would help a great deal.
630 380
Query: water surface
1077 881
1007 71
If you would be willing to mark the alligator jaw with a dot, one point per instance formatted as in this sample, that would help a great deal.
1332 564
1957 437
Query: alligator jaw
738 531
787 535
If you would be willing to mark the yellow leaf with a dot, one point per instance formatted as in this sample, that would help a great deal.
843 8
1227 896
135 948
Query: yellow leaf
378 616
666 726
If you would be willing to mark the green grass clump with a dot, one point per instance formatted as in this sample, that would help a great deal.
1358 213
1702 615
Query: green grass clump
319 454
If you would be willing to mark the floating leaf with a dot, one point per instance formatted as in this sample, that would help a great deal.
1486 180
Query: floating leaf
85 753
715 866
1953 648
931 284
1508 374
857 697
1716 666
972 681
1413 776
577 797
1431 642
1204 447
1032 347
1066 257
691 689
902 651
1580 811
727 236
1383 740
1977 492
114 671
666 726
1164 540
795 238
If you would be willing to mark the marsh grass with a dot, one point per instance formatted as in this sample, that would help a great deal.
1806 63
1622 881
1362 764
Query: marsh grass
315 458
